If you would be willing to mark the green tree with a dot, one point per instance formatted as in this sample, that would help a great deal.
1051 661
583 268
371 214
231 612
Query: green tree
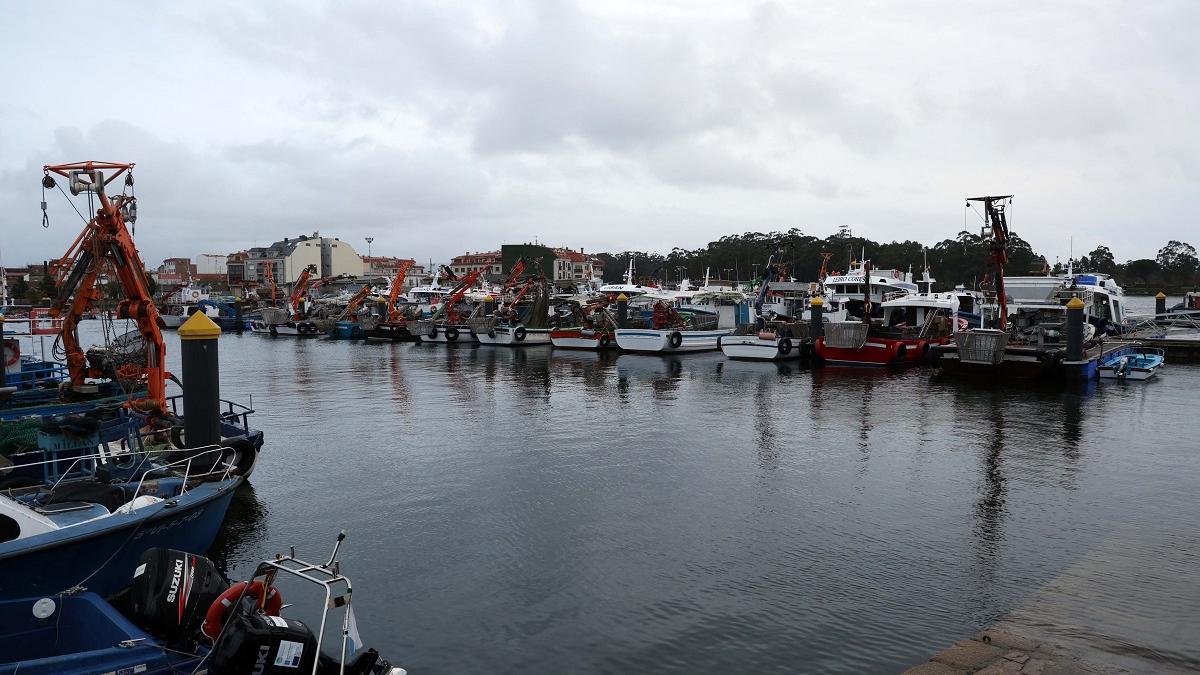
1101 260
20 289
48 288
1178 262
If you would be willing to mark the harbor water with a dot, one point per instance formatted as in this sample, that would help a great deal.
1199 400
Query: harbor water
530 510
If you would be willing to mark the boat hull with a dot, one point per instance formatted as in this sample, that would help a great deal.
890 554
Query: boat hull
754 348
289 329
102 554
506 336
449 335
876 352
573 338
653 341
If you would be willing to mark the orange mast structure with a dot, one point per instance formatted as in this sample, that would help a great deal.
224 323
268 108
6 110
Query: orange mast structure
269 274
298 291
393 314
106 243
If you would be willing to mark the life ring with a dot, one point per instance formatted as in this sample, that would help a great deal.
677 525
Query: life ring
675 339
214 619
785 346
604 340
195 295
963 324
451 334
12 355
519 333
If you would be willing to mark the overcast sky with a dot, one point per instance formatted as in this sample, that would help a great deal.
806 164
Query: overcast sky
438 128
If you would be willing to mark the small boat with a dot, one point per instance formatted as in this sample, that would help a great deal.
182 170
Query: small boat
663 329
588 327
517 324
90 530
275 321
1131 363
767 338
183 616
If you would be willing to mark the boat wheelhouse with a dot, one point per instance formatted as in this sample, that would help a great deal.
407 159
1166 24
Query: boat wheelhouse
1036 296
910 325
845 294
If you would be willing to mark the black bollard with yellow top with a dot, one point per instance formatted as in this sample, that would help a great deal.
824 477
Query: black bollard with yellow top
1160 303
201 381
816 317
622 310
1075 329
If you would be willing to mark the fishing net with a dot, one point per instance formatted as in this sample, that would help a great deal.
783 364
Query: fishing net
18 435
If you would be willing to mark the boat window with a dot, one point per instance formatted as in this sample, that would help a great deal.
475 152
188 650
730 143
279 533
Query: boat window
9 529
1116 310
1101 309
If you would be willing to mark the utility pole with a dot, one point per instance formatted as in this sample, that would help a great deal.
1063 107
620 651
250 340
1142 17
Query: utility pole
369 240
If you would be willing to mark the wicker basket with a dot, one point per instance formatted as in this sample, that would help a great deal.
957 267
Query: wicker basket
981 345
846 334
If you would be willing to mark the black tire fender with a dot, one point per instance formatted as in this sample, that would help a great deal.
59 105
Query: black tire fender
785 346
675 339
433 331
519 333
451 334
604 341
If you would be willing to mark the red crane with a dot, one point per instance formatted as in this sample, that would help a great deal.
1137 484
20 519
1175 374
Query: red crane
994 217
299 290
459 292
393 314
106 243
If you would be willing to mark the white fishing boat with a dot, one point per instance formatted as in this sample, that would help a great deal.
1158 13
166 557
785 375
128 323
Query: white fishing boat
663 329
767 338
845 294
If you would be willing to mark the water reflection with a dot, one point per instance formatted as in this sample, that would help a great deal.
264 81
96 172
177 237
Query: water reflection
239 544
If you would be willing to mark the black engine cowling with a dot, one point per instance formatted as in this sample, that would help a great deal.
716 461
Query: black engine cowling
253 642
172 590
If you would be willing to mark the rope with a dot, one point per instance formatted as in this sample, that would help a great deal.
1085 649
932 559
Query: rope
64 194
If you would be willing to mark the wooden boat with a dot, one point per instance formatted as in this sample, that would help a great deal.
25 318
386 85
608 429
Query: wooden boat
663 329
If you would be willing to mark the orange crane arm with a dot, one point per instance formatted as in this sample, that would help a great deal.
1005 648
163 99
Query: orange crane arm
459 292
269 274
356 300
106 242
392 313
299 289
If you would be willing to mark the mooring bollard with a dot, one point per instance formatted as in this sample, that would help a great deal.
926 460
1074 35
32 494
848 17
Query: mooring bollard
816 320
1160 303
622 310
201 381
1075 329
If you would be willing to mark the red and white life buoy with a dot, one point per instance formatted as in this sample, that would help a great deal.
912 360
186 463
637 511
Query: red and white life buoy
895 274
12 353
214 619
195 295
963 324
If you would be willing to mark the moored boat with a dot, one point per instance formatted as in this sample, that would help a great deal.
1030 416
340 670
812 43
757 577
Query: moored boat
667 330
588 326
1131 363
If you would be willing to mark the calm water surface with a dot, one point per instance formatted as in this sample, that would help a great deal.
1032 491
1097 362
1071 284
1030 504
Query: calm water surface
529 510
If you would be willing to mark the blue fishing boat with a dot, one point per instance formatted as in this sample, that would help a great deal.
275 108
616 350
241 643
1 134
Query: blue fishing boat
1131 363
80 634
87 529
183 616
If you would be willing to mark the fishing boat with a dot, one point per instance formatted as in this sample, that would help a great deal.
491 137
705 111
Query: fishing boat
862 290
291 320
88 530
521 322
580 326
179 305
910 324
768 338
449 322
662 328
1131 363
183 616
1035 299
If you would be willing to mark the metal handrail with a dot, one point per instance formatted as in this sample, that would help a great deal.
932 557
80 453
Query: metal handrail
187 461
332 573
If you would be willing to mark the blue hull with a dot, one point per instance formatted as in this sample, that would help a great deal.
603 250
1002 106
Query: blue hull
102 554
80 638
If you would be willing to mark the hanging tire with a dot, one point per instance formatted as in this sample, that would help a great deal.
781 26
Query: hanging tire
785 346
901 353
675 339
519 333
604 341
433 332
492 333
273 330
451 334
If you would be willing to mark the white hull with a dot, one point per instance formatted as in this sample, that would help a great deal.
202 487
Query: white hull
463 335
659 341
507 337
1134 374
291 329
172 320
576 342
752 347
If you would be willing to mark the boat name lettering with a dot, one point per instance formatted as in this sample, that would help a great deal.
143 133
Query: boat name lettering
166 526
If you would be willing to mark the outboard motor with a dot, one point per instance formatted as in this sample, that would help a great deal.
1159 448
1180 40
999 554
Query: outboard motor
172 590
253 642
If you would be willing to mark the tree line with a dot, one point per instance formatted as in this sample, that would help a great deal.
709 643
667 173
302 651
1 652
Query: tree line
961 260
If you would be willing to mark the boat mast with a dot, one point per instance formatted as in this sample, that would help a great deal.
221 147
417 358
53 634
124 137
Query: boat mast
994 217
866 268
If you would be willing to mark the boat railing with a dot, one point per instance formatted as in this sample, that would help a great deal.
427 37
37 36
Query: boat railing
1158 325
186 463
235 413
894 295
329 577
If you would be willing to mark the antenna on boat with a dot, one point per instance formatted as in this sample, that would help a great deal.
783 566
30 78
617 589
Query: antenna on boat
1071 256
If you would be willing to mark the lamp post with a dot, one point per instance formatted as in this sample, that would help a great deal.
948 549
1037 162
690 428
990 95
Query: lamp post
369 240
